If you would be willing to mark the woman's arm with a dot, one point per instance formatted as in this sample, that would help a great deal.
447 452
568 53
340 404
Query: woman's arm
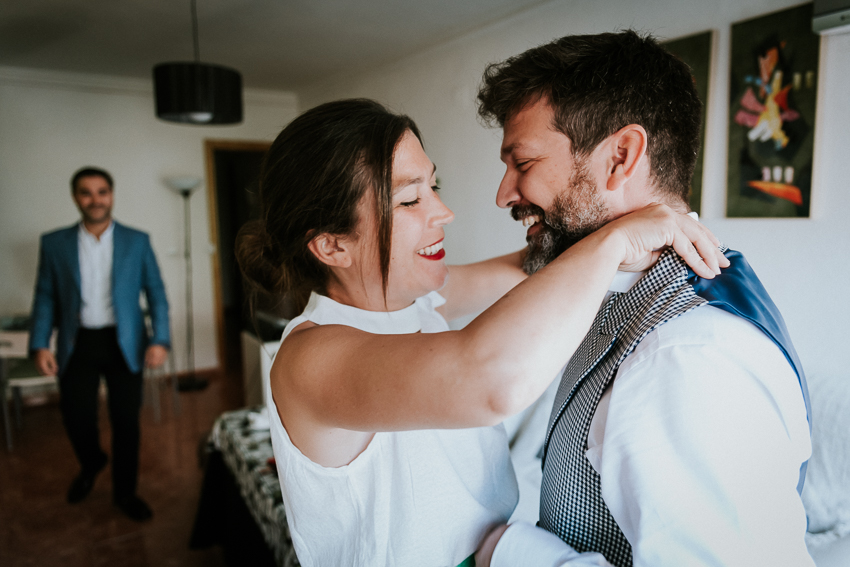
472 288
494 367
337 377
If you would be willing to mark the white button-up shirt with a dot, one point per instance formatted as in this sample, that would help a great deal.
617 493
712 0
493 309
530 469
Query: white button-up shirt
698 442
95 255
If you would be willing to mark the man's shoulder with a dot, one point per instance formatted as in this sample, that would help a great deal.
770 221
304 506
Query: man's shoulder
60 232
129 232
708 337
58 235
705 324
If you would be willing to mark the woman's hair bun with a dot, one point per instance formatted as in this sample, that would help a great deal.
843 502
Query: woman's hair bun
259 257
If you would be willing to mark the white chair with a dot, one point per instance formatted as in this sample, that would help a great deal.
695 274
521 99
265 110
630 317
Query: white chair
16 373
154 378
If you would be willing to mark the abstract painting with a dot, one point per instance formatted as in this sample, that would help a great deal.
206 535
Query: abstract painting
773 94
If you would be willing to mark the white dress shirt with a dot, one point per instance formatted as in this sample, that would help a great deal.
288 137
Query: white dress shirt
95 256
698 442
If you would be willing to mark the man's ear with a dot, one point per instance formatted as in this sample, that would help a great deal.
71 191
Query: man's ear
626 150
331 250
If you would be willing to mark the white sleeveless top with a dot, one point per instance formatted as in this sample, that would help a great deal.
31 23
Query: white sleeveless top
411 498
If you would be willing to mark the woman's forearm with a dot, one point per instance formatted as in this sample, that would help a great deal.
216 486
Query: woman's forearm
472 288
521 342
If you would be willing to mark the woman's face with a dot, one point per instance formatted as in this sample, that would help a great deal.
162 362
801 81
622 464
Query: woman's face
417 266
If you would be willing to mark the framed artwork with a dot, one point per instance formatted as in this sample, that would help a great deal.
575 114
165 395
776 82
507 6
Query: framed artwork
695 51
773 94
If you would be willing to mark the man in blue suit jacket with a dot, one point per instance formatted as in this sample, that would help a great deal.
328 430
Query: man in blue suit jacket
90 278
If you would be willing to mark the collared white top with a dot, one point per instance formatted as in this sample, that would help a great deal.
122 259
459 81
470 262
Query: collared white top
95 255
698 442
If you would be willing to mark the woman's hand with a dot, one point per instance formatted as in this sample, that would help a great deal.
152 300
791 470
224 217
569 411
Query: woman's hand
485 553
646 232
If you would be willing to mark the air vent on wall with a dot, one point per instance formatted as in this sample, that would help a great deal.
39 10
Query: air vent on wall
831 16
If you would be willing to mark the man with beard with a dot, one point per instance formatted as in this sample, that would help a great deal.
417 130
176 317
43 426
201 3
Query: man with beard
679 433
90 278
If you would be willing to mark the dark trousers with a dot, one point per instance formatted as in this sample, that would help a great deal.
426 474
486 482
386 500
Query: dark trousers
96 353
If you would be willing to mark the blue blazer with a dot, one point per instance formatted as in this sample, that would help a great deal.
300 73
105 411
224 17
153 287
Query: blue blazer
57 294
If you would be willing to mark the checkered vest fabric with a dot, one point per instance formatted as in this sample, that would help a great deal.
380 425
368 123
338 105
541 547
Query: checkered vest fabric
571 504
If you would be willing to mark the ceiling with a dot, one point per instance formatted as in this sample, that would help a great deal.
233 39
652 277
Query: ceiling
275 44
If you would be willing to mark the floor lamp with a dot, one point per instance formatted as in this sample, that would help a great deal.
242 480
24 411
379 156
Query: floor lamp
185 186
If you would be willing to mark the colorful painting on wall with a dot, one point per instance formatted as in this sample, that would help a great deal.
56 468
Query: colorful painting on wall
695 51
773 88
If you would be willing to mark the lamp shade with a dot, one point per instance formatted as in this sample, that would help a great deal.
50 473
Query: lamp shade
197 93
182 184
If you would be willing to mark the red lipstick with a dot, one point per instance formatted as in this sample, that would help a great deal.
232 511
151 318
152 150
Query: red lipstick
438 256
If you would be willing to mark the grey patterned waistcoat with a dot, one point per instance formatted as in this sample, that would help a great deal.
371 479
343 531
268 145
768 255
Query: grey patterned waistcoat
571 504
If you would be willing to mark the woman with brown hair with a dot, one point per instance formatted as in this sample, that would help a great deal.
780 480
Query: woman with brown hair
385 423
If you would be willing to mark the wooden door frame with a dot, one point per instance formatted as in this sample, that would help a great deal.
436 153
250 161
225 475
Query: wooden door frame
210 147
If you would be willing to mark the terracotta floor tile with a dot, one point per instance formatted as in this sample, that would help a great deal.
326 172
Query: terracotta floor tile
38 527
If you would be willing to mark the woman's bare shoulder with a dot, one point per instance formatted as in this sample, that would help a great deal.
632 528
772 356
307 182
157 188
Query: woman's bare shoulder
302 381
309 353
291 348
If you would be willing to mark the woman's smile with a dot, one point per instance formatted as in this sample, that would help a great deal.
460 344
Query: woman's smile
433 252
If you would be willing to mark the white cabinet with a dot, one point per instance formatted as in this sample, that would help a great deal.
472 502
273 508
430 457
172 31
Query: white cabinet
257 357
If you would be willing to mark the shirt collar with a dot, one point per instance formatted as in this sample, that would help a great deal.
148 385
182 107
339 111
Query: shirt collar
624 281
107 234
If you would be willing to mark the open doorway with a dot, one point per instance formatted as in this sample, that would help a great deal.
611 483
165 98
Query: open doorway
233 169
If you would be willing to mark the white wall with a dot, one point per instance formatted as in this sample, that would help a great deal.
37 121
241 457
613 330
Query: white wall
51 124
799 260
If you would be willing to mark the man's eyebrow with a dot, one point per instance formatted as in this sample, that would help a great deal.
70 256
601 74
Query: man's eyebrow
412 180
508 150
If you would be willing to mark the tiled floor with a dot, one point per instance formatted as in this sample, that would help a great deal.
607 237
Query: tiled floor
38 527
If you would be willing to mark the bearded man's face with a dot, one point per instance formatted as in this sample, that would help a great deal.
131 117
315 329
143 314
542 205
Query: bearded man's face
577 211
548 187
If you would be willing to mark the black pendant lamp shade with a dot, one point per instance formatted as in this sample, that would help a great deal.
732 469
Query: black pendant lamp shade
197 93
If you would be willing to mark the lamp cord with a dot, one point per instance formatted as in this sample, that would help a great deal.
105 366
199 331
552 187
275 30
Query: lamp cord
195 32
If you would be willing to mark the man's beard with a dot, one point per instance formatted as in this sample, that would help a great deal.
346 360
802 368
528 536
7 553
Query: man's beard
578 211
95 215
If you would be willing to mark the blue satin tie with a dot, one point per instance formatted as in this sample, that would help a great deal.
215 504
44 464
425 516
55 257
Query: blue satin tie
738 290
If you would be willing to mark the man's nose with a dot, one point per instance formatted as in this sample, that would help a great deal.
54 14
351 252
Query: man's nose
508 194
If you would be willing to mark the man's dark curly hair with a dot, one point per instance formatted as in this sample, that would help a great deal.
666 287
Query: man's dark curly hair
598 84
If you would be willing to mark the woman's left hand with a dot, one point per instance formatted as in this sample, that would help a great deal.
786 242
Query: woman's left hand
656 224
485 552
